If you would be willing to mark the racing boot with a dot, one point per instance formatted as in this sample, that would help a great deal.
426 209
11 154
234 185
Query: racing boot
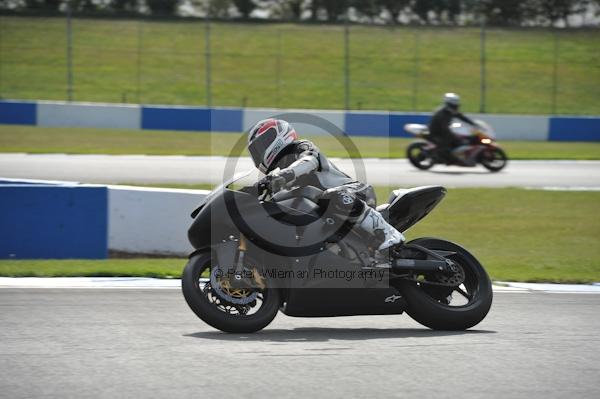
373 223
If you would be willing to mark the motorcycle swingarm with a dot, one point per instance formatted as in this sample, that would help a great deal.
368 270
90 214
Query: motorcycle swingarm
439 263
402 266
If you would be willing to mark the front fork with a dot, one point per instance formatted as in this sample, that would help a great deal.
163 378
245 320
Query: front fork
242 278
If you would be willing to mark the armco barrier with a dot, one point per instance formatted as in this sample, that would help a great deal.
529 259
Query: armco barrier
59 220
517 127
397 122
253 115
88 115
151 220
574 128
52 220
18 113
354 123
367 124
175 118
191 119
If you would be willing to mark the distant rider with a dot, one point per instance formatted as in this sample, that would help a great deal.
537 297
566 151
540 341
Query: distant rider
274 144
439 125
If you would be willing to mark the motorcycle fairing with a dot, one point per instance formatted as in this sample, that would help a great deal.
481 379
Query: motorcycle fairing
407 206
343 302
343 298
279 227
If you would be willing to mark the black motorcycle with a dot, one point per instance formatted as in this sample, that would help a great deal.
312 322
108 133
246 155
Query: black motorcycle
259 252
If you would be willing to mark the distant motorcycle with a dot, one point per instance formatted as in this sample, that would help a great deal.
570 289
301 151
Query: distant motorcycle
479 147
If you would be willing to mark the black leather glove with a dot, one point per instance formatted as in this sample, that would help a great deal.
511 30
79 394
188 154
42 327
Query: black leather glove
274 183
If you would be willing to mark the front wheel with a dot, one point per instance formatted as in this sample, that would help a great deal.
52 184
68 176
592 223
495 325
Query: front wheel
494 159
419 156
442 307
224 308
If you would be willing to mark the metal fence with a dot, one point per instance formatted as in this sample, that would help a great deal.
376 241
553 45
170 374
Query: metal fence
149 61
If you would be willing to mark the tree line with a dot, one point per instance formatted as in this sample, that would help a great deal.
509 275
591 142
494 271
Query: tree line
433 12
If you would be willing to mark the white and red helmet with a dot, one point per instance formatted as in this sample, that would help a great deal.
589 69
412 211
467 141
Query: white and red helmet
266 139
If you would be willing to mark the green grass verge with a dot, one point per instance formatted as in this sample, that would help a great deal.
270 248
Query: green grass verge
519 235
139 267
33 139
292 66
522 235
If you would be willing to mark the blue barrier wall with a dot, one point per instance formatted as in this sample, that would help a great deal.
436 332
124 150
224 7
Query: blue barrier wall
53 221
192 119
574 129
226 120
18 113
381 124
163 118
354 123
367 124
397 122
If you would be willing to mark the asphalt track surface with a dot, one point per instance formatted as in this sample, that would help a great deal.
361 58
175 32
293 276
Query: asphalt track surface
105 343
142 169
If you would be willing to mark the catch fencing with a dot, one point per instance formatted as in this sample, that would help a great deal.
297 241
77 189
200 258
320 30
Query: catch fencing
306 66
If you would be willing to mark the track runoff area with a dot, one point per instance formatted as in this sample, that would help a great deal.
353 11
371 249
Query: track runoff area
148 169
111 343
120 337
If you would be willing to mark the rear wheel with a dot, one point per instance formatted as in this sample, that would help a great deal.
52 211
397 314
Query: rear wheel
221 306
443 307
419 156
494 159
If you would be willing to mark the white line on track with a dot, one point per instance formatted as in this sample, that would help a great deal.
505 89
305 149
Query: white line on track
155 283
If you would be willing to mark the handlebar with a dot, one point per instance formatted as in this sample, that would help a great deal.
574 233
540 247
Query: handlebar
310 192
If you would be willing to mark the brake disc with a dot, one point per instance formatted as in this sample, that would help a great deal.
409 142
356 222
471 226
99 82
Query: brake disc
222 288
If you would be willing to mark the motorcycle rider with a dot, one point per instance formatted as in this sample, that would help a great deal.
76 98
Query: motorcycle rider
287 161
439 126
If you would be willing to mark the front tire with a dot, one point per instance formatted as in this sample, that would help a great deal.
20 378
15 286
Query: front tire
429 305
494 159
419 156
199 299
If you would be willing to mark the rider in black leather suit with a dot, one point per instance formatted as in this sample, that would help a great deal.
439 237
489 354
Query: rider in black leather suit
287 161
439 125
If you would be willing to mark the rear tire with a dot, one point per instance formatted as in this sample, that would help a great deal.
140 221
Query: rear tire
494 159
206 310
433 313
419 156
